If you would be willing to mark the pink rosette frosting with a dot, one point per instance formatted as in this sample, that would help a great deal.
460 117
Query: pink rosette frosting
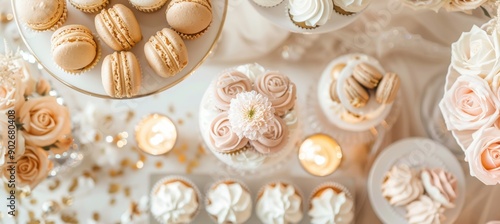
274 139
222 137
279 89
227 86
440 186
469 104
483 155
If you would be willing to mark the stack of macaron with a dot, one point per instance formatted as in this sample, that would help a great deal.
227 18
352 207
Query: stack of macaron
425 193
76 49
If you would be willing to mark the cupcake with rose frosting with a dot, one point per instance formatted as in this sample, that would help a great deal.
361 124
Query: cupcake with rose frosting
310 14
402 185
229 202
440 185
279 203
331 203
248 117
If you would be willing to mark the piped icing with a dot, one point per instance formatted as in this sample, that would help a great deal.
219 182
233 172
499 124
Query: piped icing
352 5
311 12
279 204
401 185
229 203
331 207
174 203
227 86
440 186
424 211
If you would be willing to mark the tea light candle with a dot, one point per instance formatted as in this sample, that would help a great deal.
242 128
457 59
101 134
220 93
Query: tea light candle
156 134
320 155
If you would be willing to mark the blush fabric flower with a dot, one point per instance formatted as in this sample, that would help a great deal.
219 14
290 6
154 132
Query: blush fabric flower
250 114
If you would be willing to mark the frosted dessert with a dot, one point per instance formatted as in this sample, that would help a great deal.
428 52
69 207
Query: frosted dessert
424 211
440 186
310 14
279 203
355 93
349 7
174 201
248 117
401 185
331 204
229 202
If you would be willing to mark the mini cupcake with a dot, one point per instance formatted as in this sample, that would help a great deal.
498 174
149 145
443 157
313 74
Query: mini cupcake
89 6
440 186
310 14
148 6
174 200
267 3
279 203
350 7
401 185
229 202
331 203
42 15
424 211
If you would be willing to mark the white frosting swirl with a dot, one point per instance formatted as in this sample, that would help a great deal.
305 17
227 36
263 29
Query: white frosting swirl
312 12
174 203
402 186
424 211
279 204
247 159
229 203
332 208
252 71
352 5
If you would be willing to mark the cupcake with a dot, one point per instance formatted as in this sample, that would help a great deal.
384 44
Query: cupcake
349 7
267 3
310 14
228 202
401 185
440 186
424 211
248 117
174 200
331 203
279 203
42 15
355 93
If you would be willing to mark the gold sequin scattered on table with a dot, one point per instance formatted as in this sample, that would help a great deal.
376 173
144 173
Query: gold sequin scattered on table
73 186
320 155
127 192
67 200
55 185
112 201
156 134
96 217
113 188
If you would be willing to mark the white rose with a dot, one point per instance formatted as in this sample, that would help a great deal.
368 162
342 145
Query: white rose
433 5
11 96
469 104
475 53
463 5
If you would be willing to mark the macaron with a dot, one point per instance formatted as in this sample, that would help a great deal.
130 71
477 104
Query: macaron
74 48
355 93
42 15
148 5
190 18
388 88
166 53
333 92
121 74
89 6
367 75
118 27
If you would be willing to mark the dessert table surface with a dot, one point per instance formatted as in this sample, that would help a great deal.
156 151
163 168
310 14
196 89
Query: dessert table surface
112 180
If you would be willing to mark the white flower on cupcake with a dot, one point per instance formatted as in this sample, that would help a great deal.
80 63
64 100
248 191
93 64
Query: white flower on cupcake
483 155
469 104
476 53
250 114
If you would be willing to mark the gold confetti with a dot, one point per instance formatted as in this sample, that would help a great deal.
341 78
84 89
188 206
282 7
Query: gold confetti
180 122
54 186
201 149
112 201
115 173
127 191
67 200
49 222
191 165
96 168
31 214
189 115
33 201
171 109
130 116
34 222
181 158
113 188
69 218
125 162
159 164
73 186
96 216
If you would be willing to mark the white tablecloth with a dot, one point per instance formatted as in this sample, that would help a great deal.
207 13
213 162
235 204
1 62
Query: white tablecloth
414 44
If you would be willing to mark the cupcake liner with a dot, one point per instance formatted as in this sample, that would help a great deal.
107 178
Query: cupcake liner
341 11
91 65
337 187
226 181
193 36
300 25
171 179
148 10
90 10
269 6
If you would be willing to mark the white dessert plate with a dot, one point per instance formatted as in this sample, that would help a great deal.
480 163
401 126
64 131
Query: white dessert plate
279 16
90 82
417 153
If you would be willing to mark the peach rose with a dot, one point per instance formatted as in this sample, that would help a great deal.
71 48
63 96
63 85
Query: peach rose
62 144
279 89
483 155
274 139
463 5
11 96
469 104
31 168
222 137
42 87
227 86
44 121
16 139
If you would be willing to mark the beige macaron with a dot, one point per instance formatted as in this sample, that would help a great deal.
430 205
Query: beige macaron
388 88
355 93
118 27
367 75
89 6
333 91
74 48
42 15
190 18
121 74
166 53
147 5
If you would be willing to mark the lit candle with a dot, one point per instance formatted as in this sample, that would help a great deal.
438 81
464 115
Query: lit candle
155 134
320 155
